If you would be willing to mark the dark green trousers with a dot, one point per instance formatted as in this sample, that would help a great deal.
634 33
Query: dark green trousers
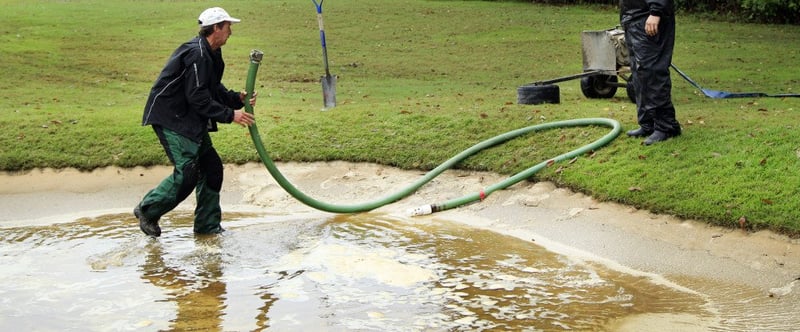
198 168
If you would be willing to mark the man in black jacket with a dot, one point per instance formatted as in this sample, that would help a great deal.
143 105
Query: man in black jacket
186 102
650 35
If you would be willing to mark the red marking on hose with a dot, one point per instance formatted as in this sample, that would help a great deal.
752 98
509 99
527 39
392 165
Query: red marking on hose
482 195
550 162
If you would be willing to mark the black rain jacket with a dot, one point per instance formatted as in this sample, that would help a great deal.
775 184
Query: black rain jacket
631 10
188 97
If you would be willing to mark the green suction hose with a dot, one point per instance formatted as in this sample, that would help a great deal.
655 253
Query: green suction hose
255 61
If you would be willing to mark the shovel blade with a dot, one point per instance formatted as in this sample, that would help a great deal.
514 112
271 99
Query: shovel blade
723 94
329 90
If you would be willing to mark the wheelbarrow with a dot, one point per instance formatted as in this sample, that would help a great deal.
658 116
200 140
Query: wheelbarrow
605 59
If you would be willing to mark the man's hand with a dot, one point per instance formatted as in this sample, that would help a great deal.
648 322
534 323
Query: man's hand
243 95
651 26
243 118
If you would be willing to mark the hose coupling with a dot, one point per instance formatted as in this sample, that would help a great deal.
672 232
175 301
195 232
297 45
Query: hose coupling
420 211
256 56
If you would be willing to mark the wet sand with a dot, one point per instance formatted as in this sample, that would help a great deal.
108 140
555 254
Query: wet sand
747 269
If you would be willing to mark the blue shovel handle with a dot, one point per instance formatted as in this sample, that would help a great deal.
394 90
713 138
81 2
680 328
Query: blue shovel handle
322 36
318 5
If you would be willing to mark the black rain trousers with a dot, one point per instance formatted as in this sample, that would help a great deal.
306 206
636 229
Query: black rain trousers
650 58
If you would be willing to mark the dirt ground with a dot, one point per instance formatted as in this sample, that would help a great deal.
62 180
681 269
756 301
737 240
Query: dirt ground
621 237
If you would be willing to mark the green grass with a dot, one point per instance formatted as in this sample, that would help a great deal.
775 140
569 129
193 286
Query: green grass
419 82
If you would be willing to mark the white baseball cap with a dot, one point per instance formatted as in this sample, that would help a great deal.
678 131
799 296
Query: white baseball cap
215 15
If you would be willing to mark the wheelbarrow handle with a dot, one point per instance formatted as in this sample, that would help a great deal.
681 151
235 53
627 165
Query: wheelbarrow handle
571 77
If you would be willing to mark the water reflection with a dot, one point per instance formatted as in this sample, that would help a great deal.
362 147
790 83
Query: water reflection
195 285
346 273
487 281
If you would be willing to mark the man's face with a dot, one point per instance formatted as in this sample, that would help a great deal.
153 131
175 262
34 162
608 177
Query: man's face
221 35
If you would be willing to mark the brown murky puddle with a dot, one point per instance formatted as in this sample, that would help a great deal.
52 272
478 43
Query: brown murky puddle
347 273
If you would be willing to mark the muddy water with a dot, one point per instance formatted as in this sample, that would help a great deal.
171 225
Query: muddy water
367 272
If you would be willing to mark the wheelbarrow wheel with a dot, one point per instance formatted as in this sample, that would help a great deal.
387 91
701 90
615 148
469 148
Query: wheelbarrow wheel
599 86
631 91
538 94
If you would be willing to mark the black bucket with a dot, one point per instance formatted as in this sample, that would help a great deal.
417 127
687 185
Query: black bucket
538 94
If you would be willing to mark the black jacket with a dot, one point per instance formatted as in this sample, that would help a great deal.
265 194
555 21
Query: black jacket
188 97
630 10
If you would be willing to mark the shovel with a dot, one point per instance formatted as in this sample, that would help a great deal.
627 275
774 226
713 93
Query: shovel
328 81
724 94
